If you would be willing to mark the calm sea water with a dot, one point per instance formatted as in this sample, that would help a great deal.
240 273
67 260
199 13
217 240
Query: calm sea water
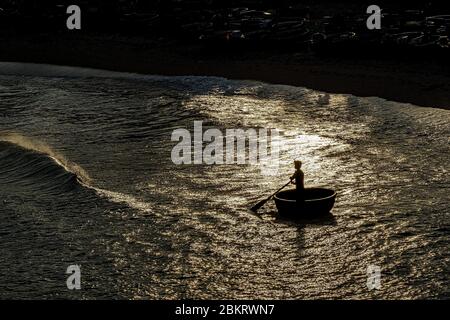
141 227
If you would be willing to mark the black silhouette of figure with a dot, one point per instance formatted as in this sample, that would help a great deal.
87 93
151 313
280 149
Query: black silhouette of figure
299 177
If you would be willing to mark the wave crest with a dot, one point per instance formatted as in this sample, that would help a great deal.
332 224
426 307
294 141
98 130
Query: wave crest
32 163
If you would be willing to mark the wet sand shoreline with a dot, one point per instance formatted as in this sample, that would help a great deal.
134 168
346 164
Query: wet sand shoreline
421 83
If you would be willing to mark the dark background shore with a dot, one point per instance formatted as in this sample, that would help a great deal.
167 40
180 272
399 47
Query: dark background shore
321 44
424 83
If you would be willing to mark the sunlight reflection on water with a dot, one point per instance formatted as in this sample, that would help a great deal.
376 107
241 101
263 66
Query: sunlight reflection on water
158 230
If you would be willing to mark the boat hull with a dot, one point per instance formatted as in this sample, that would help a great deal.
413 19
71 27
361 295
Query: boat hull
316 202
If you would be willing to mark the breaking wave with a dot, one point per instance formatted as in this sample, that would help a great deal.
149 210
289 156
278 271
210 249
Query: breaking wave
33 164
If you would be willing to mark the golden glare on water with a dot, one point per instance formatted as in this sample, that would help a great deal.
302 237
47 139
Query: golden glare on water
185 231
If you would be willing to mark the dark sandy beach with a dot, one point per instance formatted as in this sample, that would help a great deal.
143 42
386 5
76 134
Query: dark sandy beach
423 83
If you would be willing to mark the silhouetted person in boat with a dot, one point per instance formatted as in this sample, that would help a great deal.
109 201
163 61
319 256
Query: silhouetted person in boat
299 177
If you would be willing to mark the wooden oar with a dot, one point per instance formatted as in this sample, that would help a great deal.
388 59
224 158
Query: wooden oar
257 206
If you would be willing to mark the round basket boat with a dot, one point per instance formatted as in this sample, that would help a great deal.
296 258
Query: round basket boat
317 202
